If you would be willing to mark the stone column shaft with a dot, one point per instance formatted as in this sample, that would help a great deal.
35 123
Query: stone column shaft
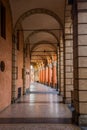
14 71
49 74
54 71
68 55
61 67
24 72
46 75
80 61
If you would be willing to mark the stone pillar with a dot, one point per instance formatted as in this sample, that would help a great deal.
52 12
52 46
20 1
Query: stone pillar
61 67
39 75
24 72
80 61
36 74
49 74
43 75
14 71
54 76
58 72
46 75
68 55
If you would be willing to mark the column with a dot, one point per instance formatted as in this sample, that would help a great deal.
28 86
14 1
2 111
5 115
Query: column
43 75
49 74
58 71
68 55
80 61
61 66
40 74
46 75
24 71
54 75
14 73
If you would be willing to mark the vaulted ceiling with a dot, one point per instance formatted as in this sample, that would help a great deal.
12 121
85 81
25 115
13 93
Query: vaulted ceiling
41 21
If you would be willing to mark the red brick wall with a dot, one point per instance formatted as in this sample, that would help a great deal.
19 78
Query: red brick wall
6 56
20 65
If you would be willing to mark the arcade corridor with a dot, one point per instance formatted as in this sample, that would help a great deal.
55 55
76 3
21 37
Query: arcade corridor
43 63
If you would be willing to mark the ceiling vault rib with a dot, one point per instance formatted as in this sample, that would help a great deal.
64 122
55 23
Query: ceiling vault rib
38 59
50 29
44 51
39 55
42 43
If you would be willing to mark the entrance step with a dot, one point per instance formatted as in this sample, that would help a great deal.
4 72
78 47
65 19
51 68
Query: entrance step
36 120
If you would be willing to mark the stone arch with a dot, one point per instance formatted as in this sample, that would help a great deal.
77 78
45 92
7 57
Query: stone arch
47 31
47 53
38 11
43 42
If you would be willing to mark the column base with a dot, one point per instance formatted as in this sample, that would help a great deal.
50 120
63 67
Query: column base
56 86
75 117
78 119
66 100
27 90
13 100
24 93
47 84
59 93
51 85
83 120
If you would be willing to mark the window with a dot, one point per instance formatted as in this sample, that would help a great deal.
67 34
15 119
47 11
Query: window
2 21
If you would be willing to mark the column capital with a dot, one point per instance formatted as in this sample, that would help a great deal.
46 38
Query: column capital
50 65
54 63
46 67
43 68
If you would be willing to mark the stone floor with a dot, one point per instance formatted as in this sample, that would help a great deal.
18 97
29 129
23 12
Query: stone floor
40 109
38 127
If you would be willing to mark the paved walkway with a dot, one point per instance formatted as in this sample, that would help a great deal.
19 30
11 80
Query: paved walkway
41 106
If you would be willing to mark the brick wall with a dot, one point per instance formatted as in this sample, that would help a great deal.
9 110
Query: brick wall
6 56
